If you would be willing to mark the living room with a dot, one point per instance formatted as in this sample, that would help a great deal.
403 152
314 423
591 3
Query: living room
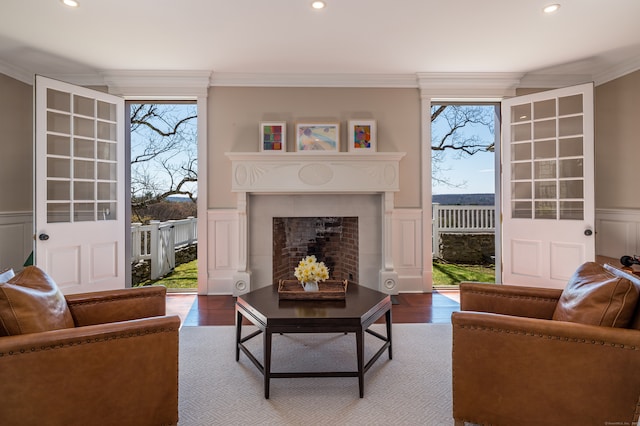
314 76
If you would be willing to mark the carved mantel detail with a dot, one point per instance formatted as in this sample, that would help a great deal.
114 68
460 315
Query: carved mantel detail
294 172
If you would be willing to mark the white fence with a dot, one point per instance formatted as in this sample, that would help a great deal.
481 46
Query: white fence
158 242
461 220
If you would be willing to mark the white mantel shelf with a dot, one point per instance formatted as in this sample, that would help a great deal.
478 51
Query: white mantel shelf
294 172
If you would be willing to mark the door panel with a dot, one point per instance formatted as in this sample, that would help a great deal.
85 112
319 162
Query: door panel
79 186
547 179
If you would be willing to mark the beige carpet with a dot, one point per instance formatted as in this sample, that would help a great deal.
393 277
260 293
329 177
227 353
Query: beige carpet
412 389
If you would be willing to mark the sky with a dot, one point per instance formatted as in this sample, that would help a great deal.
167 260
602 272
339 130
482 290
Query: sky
186 149
470 174
478 171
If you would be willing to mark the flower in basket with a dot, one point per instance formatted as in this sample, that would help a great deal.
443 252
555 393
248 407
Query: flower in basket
310 270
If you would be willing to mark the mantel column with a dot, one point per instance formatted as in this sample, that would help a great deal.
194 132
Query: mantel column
388 276
242 277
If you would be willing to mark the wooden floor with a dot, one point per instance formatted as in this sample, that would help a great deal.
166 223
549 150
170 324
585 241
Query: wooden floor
433 307
197 310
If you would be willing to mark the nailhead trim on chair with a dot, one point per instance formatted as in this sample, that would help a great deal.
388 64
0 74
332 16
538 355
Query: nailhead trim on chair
88 341
112 298
512 296
549 337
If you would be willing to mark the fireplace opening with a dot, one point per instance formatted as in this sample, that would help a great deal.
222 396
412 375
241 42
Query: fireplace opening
333 240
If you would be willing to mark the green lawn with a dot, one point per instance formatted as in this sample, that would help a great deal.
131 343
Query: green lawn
450 274
185 276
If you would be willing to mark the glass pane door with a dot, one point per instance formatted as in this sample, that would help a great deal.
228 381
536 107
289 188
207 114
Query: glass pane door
547 159
81 158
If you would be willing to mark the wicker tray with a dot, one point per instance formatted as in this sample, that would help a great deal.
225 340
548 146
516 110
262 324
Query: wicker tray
327 290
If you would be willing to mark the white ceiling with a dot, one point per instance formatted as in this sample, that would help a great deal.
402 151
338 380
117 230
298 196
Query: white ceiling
227 37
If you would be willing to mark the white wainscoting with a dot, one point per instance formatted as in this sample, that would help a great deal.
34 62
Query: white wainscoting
617 232
407 249
16 239
223 250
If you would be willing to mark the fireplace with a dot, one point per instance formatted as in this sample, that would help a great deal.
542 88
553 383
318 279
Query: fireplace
365 210
333 240
315 186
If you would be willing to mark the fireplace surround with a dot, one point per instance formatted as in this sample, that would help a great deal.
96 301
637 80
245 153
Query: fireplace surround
272 185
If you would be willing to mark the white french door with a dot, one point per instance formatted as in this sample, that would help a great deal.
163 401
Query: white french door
79 186
548 186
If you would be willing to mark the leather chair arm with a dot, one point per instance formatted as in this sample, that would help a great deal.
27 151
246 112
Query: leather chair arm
51 376
531 302
512 370
117 305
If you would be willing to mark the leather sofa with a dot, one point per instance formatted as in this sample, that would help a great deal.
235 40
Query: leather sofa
115 363
538 356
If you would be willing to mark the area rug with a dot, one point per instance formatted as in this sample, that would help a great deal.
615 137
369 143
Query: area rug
414 388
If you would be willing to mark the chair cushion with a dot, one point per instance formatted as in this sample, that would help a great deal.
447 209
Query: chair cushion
597 296
31 302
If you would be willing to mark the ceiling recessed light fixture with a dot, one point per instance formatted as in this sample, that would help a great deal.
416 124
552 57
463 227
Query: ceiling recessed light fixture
551 8
318 5
70 3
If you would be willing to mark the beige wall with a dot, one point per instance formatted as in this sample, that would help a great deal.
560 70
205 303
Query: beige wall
234 114
16 139
617 143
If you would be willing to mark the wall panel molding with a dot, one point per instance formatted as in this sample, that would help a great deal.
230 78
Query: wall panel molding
617 232
222 250
16 234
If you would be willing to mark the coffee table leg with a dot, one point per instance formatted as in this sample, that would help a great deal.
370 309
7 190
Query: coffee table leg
360 350
388 321
267 361
238 334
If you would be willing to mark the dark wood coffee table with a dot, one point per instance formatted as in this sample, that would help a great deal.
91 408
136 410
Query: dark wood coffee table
361 308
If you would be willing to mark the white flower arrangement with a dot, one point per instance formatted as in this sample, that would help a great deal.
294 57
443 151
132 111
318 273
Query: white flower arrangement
310 270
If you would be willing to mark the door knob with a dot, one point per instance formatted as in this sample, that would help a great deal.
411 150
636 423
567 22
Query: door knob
588 232
43 237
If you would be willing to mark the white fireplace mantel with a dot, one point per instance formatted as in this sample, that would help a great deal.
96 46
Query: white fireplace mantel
308 173
295 172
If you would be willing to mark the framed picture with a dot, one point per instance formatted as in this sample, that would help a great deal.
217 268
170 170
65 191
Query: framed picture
362 136
273 136
317 137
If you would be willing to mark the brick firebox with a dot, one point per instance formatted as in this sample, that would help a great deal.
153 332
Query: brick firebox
333 240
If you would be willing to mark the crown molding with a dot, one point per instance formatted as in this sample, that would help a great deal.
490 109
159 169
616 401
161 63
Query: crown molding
553 81
191 84
314 80
85 79
444 85
157 84
28 76
17 73
619 70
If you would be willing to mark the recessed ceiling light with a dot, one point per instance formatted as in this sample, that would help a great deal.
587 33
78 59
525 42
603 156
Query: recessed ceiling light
318 5
551 8
70 3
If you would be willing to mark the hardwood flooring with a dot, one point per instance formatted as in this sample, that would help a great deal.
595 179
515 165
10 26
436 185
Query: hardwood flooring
433 307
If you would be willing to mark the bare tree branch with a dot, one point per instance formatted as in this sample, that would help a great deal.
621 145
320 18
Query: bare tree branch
458 136
163 159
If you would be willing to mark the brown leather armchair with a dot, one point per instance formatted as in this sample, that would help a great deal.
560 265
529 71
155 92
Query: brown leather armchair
513 364
117 366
